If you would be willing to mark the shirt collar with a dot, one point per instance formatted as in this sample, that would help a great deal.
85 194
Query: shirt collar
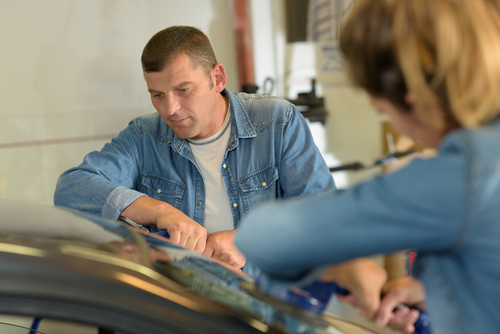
241 125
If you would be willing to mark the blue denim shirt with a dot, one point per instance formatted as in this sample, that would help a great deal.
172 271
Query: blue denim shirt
271 154
446 207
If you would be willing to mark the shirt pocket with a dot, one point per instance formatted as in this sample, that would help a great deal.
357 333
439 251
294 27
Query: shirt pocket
259 187
163 189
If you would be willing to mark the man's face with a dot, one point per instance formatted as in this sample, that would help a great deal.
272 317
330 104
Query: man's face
187 99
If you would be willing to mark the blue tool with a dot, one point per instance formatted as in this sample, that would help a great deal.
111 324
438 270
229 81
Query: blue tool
162 233
422 326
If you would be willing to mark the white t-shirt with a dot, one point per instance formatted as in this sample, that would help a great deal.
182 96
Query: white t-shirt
208 154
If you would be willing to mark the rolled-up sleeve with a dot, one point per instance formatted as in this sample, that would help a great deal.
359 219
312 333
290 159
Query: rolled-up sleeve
118 200
103 183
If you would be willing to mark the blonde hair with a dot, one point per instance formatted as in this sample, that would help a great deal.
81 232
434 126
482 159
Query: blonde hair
447 51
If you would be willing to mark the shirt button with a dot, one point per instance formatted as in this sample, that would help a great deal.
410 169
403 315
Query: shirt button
198 203
264 184
158 191
224 166
235 205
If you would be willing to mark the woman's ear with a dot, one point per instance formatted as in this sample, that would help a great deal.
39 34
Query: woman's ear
430 112
410 99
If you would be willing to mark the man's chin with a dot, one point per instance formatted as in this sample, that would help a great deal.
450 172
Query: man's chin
181 132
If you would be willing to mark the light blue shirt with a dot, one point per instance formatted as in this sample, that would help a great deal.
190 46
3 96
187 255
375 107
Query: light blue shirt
270 154
447 207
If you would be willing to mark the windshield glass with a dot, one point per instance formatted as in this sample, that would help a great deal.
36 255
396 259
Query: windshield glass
72 233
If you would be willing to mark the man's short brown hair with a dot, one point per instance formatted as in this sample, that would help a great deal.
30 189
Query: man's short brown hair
168 44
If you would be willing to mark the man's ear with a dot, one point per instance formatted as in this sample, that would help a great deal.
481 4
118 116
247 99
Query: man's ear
219 74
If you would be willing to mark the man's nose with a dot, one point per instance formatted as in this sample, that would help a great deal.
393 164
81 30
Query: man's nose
171 105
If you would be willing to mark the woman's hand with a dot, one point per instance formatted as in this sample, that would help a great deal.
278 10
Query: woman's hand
397 293
364 279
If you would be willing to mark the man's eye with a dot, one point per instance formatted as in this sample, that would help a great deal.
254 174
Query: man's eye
184 90
157 96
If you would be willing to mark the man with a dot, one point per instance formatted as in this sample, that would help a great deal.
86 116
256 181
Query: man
204 160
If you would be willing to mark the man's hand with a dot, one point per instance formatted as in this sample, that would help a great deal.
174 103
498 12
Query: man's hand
406 290
183 231
220 246
364 279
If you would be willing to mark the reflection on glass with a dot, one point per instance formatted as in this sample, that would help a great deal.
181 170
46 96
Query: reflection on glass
223 285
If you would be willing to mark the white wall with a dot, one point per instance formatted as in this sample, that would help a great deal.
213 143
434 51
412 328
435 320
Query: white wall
71 78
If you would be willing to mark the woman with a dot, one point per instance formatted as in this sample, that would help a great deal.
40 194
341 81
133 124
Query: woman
433 66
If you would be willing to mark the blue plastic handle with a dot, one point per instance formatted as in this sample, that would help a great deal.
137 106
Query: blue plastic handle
163 233
313 297
422 325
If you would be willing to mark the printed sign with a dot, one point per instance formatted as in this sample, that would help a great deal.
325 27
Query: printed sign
329 64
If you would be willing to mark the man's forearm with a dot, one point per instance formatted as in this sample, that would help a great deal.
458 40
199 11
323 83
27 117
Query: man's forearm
146 210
